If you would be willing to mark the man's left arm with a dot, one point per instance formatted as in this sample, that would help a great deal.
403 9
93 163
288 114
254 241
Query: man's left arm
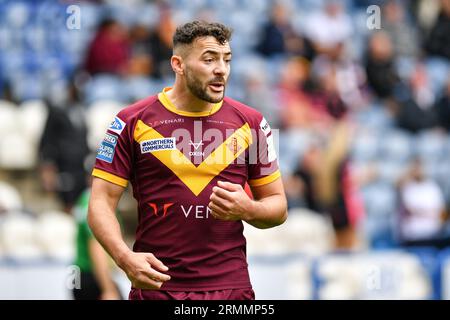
230 202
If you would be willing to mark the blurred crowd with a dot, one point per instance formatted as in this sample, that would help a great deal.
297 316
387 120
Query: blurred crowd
363 113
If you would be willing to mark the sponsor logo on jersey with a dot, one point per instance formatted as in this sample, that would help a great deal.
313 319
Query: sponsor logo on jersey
271 153
163 210
107 148
197 145
117 125
265 127
153 145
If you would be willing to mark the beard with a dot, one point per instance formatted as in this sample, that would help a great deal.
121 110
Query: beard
196 87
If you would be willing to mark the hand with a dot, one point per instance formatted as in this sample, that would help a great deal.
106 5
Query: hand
141 268
230 202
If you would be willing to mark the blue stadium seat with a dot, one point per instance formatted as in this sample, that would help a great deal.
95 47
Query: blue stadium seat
431 146
438 73
376 117
390 171
380 201
104 87
430 259
138 88
365 146
443 283
396 146
17 14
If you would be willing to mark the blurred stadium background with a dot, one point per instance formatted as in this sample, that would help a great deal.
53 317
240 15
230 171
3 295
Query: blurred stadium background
364 144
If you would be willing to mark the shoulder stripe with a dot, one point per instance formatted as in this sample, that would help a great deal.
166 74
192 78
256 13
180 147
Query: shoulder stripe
110 177
265 180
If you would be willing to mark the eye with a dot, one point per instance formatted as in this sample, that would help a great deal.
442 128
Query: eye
228 60
208 60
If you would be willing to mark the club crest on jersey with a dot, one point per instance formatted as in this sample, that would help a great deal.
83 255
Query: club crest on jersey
117 125
233 145
153 145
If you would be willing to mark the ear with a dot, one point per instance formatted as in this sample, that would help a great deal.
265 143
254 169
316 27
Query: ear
177 64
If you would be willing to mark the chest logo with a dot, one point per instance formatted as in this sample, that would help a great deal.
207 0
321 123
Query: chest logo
196 178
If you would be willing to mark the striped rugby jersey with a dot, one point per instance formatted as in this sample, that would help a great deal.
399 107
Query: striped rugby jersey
173 159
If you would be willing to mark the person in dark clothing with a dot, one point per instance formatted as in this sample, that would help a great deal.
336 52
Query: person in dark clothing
416 109
160 42
438 41
413 118
443 108
63 150
278 37
379 65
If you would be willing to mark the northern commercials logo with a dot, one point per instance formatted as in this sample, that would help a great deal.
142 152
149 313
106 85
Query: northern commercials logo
117 125
153 145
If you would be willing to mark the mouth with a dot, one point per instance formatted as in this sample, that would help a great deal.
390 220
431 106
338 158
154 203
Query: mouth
217 86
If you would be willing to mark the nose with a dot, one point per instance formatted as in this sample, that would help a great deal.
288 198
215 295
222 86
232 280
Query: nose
221 68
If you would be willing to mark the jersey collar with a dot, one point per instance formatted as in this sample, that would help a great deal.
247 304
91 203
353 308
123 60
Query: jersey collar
164 99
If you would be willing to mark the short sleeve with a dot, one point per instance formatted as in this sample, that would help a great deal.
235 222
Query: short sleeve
114 156
263 162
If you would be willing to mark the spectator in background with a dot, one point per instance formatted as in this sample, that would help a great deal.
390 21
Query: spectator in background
443 108
301 186
279 38
323 182
63 149
336 189
161 43
341 81
110 50
92 259
327 96
438 41
379 64
403 34
258 93
141 63
329 28
422 207
416 113
296 110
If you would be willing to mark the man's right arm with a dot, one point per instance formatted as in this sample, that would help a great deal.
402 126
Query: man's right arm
141 268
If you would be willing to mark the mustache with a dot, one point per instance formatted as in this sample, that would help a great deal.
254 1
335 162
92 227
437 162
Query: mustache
218 80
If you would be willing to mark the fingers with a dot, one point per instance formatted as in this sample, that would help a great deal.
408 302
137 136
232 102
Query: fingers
156 276
217 212
222 193
220 202
146 283
156 263
229 186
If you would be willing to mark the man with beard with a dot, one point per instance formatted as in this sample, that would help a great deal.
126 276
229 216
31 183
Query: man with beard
188 153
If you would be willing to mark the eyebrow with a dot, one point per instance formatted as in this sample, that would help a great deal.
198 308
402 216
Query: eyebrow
215 53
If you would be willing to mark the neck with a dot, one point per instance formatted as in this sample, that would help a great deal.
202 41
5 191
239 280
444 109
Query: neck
184 100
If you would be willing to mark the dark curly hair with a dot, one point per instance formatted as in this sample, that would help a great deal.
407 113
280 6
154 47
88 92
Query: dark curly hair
187 33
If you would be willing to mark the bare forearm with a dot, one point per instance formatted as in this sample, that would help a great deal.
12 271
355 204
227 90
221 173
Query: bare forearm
106 229
101 267
268 212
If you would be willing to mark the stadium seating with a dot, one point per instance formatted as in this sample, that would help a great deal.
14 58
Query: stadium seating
10 198
56 235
